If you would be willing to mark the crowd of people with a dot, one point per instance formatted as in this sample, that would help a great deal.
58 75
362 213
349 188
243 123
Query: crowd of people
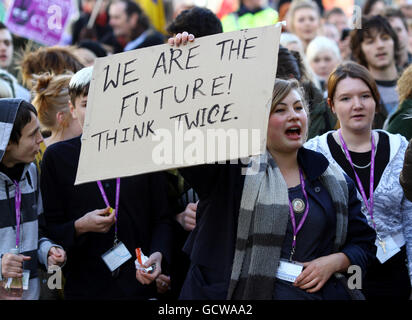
333 188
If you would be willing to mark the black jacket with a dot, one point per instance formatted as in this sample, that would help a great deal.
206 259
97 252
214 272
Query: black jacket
211 244
144 221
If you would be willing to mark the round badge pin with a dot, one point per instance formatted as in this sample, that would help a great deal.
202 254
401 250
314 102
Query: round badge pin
298 205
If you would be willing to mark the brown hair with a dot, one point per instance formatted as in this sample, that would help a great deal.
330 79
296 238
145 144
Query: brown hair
368 5
56 60
370 26
350 69
51 96
282 88
392 12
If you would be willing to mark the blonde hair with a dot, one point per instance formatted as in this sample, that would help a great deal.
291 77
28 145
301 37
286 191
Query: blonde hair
404 85
282 88
51 96
295 6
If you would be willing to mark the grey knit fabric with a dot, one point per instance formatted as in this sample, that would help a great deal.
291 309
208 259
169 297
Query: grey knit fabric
263 218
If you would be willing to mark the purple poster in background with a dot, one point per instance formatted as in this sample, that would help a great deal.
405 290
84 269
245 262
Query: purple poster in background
42 21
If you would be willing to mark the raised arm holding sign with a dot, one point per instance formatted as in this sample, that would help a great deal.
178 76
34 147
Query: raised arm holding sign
164 107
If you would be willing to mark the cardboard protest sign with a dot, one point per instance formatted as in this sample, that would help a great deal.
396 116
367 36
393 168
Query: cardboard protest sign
42 21
164 107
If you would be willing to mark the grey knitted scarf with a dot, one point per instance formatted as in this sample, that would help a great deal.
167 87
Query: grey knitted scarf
263 218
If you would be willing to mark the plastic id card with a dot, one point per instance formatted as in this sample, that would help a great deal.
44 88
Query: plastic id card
116 256
288 270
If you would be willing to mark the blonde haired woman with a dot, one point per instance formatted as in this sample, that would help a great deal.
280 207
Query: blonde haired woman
51 99
303 19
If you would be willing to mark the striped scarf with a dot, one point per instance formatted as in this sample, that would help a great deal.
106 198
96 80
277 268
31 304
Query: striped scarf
263 218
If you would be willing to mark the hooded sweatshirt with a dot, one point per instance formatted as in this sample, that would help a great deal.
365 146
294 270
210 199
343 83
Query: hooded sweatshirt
32 241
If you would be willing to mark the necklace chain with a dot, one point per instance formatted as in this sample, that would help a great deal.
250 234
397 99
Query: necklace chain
355 165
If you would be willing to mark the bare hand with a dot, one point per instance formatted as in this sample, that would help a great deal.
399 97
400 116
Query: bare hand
148 278
12 265
187 218
318 271
162 283
99 220
56 256
181 38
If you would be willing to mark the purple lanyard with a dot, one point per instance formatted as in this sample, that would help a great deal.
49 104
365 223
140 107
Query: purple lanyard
292 214
106 201
368 204
17 201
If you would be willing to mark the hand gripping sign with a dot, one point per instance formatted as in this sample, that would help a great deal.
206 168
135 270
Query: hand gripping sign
167 107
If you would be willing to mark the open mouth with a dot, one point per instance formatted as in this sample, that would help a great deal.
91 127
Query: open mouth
293 132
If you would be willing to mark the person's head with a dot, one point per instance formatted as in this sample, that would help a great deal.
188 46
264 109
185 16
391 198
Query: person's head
126 17
94 46
6 47
403 86
406 7
78 91
373 7
399 24
55 60
323 56
330 31
291 42
337 17
253 4
288 65
304 19
197 21
87 51
376 45
353 96
288 120
25 137
51 99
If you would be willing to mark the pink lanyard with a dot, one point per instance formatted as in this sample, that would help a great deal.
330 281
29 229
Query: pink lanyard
292 215
368 204
106 201
17 202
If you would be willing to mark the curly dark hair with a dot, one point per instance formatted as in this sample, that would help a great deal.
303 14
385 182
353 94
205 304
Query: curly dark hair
370 26
197 21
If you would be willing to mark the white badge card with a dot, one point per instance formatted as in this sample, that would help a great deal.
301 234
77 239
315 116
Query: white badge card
288 270
116 256
26 278
390 249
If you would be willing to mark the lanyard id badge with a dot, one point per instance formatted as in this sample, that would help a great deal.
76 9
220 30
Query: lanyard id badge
380 243
17 202
302 208
288 270
116 256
